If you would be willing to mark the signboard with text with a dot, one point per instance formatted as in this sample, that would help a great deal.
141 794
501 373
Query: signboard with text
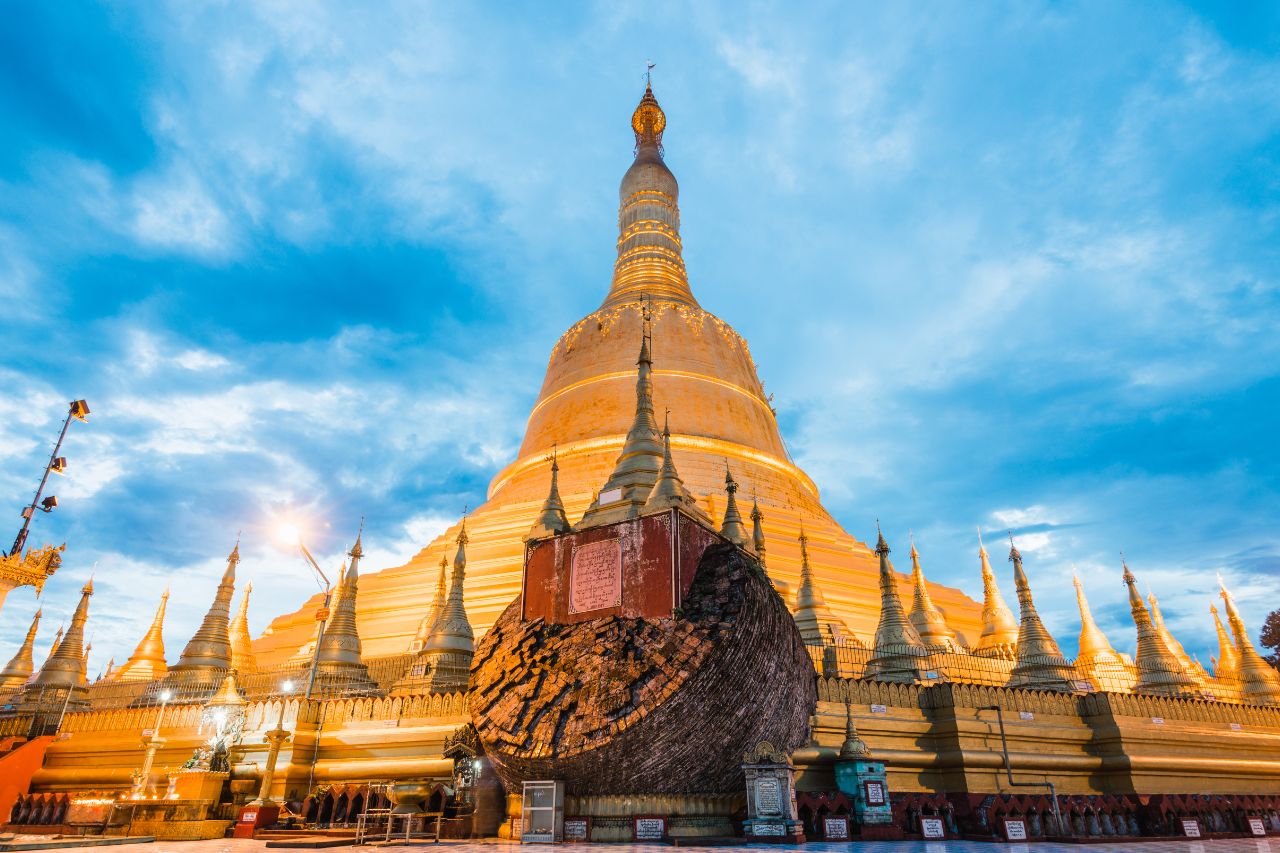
595 581
1015 829
835 828
931 827
649 828
1190 827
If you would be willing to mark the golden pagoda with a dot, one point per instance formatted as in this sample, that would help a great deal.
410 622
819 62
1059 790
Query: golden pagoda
928 620
999 637
899 653
1259 681
339 662
1097 660
1159 672
61 678
586 413
1039 663
1227 664
242 657
22 664
1190 667
208 652
147 662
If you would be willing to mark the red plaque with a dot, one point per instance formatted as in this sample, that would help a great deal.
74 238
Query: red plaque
596 578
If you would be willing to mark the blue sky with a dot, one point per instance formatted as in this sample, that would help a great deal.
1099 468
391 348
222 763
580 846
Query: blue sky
1009 267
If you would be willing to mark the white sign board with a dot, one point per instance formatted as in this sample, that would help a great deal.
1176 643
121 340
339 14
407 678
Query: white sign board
1026 715
931 827
1256 826
879 709
1191 828
1015 830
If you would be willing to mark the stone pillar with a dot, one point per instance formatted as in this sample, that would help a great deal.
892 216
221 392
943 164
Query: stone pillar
771 796
276 738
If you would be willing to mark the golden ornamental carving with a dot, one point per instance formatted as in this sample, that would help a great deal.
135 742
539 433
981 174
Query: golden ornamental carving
33 569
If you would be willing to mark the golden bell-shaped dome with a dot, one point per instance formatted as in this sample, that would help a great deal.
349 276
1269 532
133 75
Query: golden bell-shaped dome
648 121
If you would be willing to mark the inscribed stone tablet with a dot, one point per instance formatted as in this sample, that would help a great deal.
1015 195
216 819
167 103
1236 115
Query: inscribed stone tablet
1015 830
835 828
650 828
596 577
931 827
768 797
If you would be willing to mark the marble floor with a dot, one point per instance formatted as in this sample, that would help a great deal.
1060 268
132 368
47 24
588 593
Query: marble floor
1244 845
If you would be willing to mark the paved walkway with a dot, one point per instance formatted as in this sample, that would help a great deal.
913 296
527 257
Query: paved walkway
1243 845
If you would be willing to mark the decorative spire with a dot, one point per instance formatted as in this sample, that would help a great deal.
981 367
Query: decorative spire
57 640
999 628
428 623
209 650
732 527
1094 645
1259 681
449 649
929 622
1039 663
84 663
639 464
551 521
147 663
1158 670
242 656
1190 667
20 667
854 747
649 247
338 657
670 490
1227 665
899 652
65 666
757 530
809 601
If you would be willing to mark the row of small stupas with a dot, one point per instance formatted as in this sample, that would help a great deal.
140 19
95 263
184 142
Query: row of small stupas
909 646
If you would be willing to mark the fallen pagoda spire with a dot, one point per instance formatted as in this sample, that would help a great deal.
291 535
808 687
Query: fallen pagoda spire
340 670
1259 681
999 628
928 620
640 462
1159 672
899 652
1039 664
22 664
147 663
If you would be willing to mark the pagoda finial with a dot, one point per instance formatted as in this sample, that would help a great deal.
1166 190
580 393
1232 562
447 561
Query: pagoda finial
731 527
811 607
20 667
147 663
552 520
65 667
1159 672
648 121
1259 681
899 652
1039 662
640 462
448 651
854 747
1227 665
242 656
757 528
209 650
999 628
928 620
428 623
339 662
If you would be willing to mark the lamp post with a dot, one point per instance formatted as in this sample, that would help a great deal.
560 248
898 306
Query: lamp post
152 743
79 410
276 738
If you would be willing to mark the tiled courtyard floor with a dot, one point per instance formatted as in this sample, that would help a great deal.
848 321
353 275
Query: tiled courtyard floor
1174 846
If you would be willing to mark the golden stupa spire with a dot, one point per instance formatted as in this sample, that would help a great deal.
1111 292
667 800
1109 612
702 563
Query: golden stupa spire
428 623
854 747
1189 666
999 629
19 668
670 491
1259 681
552 520
928 620
84 662
451 645
242 657
65 666
57 640
1094 645
731 527
1159 671
1227 665
650 259
809 601
1039 663
640 462
899 652
757 530
147 663
338 657
209 649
